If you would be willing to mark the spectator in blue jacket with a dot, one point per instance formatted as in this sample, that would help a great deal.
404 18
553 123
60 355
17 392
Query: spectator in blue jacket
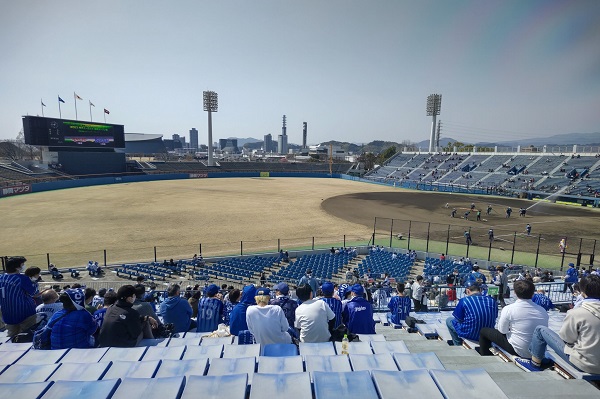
210 310
541 299
335 304
570 278
237 319
399 306
472 313
16 299
177 310
73 326
358 313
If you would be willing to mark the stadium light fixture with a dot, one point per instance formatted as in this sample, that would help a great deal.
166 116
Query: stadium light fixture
211 104
434 106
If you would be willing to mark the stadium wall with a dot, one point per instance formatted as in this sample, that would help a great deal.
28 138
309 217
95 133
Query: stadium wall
97 181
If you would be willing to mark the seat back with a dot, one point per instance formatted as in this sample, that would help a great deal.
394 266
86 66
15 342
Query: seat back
280 350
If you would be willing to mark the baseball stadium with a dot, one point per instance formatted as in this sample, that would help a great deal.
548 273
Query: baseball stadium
91 215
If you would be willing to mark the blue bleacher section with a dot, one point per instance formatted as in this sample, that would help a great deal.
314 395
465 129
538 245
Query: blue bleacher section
380 262
323 267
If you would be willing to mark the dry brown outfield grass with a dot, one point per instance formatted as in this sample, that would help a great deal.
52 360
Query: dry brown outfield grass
128 220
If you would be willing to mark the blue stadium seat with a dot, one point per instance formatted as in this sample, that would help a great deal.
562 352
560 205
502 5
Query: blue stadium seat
216 341
27 373
327 363
213 387
343 385
82 389
382 361
317 348
219 367
201 352
36 357
414 384
363 348
280 350
290 385
244 337
80 371
280 364
123 354
32 390
236 351
173 368
164 353
150 388
91 355
141 369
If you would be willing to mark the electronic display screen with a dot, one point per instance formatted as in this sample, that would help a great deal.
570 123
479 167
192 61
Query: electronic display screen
68 133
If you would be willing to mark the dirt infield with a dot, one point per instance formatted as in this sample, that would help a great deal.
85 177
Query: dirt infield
128 220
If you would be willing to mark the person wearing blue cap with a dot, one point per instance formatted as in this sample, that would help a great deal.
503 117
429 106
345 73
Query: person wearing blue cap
571 277
358 313
334 303
177 310
267 323
210 310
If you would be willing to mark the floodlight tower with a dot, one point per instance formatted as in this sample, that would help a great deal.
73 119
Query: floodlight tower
211 104
434 105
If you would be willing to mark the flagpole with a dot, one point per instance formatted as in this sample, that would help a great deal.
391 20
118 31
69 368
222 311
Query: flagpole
91 111
42 105
104 117
59 113
75 101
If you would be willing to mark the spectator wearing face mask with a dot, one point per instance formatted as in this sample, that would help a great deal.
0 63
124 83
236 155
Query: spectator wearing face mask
16 301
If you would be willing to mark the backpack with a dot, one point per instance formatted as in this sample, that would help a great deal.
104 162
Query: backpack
289 308
41 337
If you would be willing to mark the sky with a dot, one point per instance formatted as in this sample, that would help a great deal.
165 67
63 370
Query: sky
355 71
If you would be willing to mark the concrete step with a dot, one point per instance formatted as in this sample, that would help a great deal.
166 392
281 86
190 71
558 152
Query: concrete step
488 363
548 389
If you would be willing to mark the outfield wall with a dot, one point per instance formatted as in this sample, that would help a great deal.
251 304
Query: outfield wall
18 188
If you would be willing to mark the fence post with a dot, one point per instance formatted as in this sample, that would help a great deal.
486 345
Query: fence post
278 244
593 255
313 244
447 239
427 245
200 248
537 252
105 258
468 243
564 251
374 230
48 259
391 232
490 251
512 256
409 228
155 254
241 248
579 252
345 241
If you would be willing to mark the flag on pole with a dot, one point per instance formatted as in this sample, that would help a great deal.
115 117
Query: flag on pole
43 105
77 97
106 111
91 104
60 100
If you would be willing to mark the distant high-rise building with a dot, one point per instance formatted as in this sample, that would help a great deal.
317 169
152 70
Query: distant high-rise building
268 143
194 138
229 145
304 133
282 143
175 136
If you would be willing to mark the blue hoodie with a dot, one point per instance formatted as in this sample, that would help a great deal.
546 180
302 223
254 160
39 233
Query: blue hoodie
178 311
237 319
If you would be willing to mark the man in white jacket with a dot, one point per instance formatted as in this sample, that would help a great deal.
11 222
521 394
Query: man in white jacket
578 340
516 324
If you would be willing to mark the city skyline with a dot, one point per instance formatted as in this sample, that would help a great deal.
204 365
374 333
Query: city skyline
355 71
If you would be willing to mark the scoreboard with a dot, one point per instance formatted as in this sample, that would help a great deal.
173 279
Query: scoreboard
52 132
